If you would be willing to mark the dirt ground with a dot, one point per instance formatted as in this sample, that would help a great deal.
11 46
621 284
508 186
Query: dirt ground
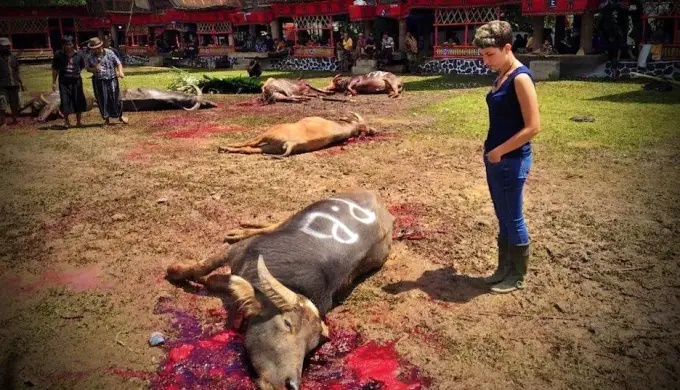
92 217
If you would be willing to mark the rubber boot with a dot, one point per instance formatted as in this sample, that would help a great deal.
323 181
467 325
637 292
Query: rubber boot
503 262
519 259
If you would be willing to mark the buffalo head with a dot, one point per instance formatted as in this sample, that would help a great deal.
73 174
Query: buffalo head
361 127
283 327
338 84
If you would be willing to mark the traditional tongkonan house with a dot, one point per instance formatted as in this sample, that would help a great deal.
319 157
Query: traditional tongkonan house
315 31
454 23
250 26
35 32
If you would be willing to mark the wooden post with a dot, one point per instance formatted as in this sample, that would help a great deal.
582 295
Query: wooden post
538 24
368 27
587 25
275 27
402 34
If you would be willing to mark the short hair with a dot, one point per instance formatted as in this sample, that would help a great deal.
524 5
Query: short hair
497 33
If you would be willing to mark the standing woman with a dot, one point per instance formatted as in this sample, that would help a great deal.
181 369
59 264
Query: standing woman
513 121
107 68
66 66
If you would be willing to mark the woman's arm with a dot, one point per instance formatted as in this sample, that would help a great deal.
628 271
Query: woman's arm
528 102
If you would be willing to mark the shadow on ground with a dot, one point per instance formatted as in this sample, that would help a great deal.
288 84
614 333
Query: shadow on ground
443 284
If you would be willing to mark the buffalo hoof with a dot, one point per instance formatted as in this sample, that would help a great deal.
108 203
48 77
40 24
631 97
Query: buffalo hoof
178 272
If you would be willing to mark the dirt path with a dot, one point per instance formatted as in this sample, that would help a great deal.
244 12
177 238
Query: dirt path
92 217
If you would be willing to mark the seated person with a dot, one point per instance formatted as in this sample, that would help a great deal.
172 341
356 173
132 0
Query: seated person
254 68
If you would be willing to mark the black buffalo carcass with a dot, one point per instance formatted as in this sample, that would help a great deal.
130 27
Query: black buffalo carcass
284 277
154 99
46 106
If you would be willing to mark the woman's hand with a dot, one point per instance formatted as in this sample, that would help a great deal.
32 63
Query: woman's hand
494 156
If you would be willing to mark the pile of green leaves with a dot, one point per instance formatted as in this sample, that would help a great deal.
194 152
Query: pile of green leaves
184 80
230 84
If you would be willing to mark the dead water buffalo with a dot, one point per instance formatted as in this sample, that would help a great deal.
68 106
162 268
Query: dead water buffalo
306 135
374 82
152 99
285 276
288 90
46 106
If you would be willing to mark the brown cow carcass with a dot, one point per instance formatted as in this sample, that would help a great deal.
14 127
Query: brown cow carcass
373 82
306 135
285 276
288 90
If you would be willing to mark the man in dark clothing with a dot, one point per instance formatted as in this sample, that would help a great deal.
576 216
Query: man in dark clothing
107 68
10 81
67 65
254 68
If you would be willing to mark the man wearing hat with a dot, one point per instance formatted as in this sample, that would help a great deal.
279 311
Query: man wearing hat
67 65
10 81
107 68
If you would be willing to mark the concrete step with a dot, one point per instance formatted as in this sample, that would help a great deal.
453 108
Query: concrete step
363 69
394 68
242 64
367 63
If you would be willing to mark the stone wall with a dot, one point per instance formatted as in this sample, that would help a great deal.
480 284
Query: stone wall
657 68
464 66
300 64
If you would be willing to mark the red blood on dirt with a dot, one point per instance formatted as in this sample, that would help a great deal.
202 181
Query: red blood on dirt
78 280
362 139
142 151
199 360
200 131
407 223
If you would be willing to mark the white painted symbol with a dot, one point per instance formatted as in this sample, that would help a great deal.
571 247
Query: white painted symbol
369 216
338 226
377 73
339 231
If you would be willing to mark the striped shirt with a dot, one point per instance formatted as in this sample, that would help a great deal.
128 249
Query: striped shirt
108 62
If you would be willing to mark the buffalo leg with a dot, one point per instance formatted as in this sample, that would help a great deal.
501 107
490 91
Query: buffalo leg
179 271
288 146
279 97
250 142
220 284
239 234
394 89
242 150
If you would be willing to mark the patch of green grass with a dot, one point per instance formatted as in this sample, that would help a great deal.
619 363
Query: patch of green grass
626 117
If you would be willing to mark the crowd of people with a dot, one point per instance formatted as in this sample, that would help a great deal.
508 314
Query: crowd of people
67 65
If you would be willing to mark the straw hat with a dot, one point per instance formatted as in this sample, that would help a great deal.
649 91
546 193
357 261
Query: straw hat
95 43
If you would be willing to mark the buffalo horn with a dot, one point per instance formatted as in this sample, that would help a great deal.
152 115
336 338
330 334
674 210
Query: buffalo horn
280 295
198 90
194 108
359 118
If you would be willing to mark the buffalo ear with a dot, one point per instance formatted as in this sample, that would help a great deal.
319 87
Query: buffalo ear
244 293
325 333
